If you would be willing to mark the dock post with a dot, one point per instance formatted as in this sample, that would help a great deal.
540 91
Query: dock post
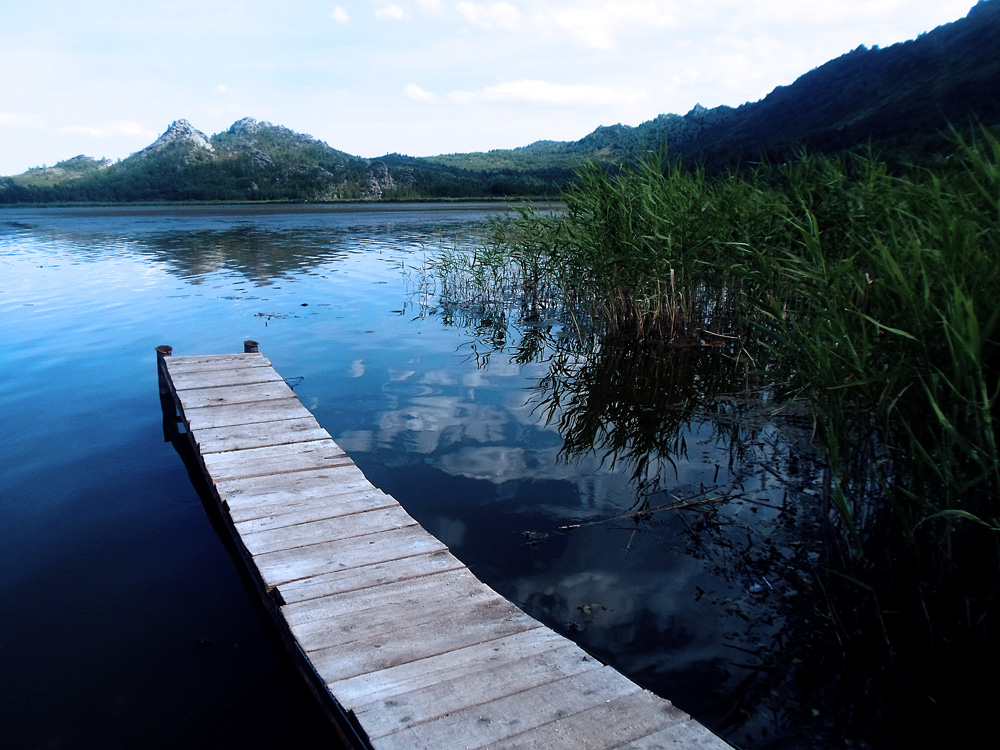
163 351
167 404
250 347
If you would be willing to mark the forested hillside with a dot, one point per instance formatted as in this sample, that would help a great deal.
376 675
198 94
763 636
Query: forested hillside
902 100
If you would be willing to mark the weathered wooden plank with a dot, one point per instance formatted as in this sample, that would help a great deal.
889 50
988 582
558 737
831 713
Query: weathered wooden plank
215 362
452 693
229 415
332 620
276 459
410 642
369 688
281 567
314 483
353 579
324 530
185 381
257 435
235 394
247 505
490 724
684 735
606 724
286 488
311 509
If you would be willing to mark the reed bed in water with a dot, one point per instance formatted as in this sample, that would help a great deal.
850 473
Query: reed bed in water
886 316
649 254
873 297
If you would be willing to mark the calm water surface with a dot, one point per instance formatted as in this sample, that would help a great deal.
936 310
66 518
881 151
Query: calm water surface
126 622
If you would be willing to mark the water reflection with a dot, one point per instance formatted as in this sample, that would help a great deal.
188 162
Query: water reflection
263 246
550 463
260 256
636 405
125 608
679 554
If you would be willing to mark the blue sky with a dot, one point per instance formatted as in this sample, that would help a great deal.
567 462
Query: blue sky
420 77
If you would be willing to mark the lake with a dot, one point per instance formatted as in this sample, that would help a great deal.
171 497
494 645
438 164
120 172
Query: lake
126 620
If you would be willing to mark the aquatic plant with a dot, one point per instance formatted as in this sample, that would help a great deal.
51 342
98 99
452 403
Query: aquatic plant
888 320
651 252
868 292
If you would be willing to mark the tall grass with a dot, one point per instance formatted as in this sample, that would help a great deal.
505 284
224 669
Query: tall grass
873 295
887 313
647 254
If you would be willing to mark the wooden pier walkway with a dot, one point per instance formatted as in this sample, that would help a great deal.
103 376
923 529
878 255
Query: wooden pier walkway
402 644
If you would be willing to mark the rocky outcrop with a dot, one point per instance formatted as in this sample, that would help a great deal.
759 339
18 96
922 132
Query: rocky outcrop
248 127
181 135
254 132
379 180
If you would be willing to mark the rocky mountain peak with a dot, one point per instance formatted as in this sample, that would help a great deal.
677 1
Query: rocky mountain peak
254 133
248 126
180 133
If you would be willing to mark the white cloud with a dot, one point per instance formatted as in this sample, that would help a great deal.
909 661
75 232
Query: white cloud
552 93
598 25
432 7
795 10
588 26
494 15
111 130
340 15
222 89
413 91
390 13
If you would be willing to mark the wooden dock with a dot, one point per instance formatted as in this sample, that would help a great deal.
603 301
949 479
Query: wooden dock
402 644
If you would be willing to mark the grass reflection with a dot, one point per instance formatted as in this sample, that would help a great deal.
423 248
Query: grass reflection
647 411
634 405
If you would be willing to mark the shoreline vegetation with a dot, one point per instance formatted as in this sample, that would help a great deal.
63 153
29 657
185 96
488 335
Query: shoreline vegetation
357 204
862 294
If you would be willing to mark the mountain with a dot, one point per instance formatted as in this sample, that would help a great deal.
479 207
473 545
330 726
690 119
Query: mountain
258 161
250 161
901 99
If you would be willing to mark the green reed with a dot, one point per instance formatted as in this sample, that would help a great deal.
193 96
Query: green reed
871 294
651 252
887 314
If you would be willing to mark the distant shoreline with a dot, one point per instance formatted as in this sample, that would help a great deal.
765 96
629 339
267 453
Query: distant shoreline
274 207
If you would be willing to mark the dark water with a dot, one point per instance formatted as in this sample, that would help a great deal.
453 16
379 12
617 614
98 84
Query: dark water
125 621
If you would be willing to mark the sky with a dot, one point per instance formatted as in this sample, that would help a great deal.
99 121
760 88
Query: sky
420 77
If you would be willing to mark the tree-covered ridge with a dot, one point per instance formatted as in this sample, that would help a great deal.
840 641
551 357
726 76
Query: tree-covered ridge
901 99
64 171
258 161
249 161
